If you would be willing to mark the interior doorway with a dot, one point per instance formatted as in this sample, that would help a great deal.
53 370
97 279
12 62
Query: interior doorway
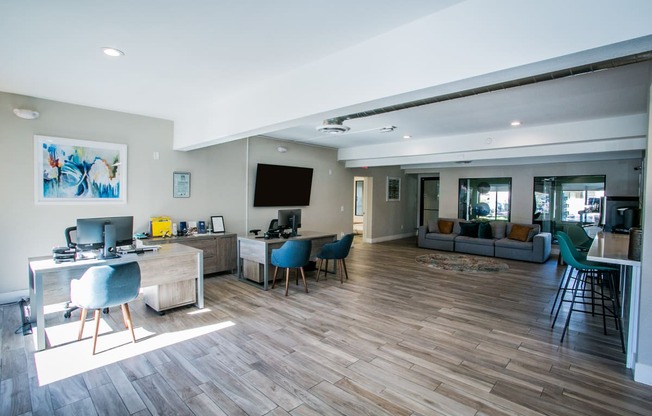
362 206
429 199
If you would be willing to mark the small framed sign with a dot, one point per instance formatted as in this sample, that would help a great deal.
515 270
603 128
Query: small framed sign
181 184
217 222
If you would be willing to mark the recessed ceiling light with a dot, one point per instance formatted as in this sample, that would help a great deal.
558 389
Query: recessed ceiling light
515 123
112 52
407 136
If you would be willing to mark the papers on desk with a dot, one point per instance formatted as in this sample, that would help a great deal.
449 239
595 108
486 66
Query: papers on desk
141 246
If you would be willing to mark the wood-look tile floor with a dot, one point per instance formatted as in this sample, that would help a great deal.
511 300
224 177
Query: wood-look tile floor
397 338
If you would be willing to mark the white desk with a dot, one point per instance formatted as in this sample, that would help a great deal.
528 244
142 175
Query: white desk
613 248
170 264
259 250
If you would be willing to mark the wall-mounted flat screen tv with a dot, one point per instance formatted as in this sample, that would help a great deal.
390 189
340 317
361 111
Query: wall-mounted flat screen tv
282 186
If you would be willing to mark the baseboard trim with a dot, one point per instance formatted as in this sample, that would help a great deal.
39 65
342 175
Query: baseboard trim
643 373
390 237
13 297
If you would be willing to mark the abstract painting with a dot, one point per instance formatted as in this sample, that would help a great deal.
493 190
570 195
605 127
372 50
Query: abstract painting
79 171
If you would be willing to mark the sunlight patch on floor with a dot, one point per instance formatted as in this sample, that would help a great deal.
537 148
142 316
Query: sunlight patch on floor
72 357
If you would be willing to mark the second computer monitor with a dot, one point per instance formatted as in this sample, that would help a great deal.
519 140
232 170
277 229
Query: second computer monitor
290 218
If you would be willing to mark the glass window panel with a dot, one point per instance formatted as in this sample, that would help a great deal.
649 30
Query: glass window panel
485 198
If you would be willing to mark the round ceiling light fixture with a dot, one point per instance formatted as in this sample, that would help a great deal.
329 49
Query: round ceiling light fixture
26 114
113 52
332 127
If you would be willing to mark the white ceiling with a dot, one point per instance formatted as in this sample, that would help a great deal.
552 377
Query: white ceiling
225 70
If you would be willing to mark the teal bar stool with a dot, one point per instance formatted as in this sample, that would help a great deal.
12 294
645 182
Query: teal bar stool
293 254
580 254
589 276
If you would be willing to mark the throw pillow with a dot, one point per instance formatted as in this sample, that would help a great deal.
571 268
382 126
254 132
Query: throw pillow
498 229
445 227
432 226
531 234
519 232
484 230
469 229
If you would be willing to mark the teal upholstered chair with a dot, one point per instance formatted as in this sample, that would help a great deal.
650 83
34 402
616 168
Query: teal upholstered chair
103 287
293 254
579 237
585 290
337 251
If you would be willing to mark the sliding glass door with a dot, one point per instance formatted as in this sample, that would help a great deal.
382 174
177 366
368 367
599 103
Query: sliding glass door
429 200
563 200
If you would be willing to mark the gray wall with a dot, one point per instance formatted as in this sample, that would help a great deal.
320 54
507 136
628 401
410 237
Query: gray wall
331 199
221 181
622 180
390 219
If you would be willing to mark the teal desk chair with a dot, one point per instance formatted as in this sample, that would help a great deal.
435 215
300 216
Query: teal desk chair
104 287
337 251
293 254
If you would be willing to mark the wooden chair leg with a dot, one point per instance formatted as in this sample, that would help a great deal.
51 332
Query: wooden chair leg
287 280
126 315
84 311
274 280
319 262
98 315
340 270
296 276
303 276
346 273
326 270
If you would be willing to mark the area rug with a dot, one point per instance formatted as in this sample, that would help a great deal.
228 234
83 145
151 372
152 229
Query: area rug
462 263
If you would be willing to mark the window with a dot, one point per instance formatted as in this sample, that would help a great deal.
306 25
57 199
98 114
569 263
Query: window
485 198
567 199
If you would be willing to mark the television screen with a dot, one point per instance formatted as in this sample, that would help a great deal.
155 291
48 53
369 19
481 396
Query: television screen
282 186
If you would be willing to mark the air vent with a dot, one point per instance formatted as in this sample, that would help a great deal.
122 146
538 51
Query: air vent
332 127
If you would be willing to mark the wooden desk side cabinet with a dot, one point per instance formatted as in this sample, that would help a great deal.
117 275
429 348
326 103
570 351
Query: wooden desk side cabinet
220 250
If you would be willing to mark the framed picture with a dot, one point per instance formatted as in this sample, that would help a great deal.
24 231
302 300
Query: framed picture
217 223
393 189
181 184
70 171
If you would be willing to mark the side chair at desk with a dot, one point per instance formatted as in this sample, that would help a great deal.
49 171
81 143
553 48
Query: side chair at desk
254 254
172 266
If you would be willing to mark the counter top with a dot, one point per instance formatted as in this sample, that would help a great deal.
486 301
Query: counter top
611 248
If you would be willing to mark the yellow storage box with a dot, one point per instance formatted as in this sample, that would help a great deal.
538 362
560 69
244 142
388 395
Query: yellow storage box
160 227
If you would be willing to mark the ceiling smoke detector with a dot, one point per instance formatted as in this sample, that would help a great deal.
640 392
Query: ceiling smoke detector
332 127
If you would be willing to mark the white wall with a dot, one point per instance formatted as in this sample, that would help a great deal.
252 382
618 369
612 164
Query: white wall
643 369
219 182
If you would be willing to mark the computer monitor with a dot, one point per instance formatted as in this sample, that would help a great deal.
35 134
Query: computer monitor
105 233
290 218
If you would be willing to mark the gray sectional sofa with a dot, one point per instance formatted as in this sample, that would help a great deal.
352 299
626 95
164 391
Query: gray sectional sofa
507 240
